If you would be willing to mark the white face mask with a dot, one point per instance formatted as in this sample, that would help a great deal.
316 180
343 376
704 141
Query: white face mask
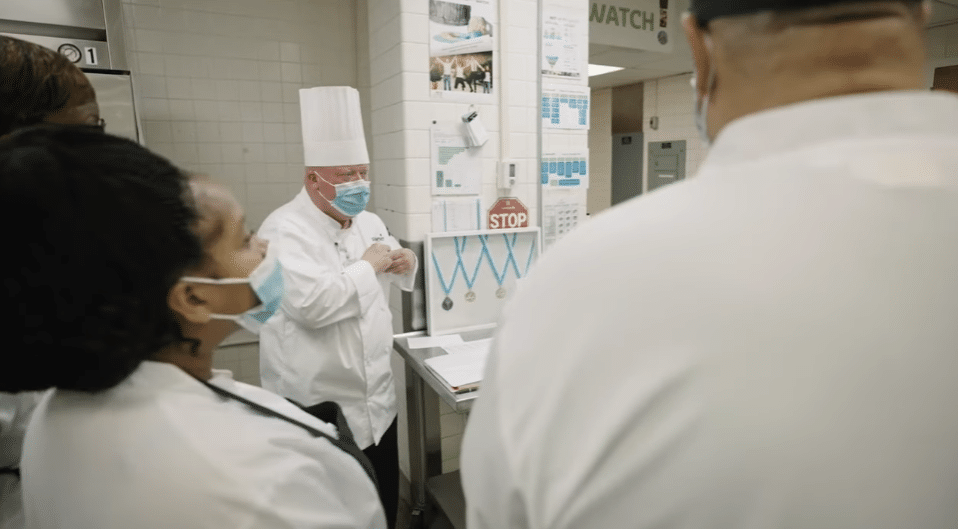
266 280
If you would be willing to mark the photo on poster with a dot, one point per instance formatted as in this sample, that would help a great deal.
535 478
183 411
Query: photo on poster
464 74
460 27
461 39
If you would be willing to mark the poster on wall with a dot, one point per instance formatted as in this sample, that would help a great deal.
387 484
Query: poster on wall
635 24
456 214
461 57
456 167
565 107
565 43
561 213
569 170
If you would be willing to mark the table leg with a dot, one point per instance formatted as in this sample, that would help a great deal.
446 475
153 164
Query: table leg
425 458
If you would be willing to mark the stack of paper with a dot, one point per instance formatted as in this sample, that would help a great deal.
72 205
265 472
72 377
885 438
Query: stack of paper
461 369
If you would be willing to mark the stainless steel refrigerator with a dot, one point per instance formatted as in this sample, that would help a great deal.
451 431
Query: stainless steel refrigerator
90 34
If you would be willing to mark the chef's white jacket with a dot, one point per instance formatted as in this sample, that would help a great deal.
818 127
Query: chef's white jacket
332 340
772 344
161 450
15 412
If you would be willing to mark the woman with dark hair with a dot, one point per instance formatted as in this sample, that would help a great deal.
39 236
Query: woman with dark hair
39 85
123 279
36 85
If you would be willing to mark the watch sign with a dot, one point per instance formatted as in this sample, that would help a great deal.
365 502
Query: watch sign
635 24
508 213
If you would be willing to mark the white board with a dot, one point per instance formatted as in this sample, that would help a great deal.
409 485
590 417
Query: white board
471 275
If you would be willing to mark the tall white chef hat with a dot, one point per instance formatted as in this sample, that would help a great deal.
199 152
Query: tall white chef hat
332 127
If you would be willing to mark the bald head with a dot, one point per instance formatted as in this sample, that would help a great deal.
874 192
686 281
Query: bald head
768 59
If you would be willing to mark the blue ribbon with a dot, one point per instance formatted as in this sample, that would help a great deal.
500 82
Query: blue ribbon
492 264
512 255
455 272
475 273
532 251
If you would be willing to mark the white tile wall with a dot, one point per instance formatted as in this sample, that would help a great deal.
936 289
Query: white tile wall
218 82
600 151
942 49
403 111
670 98
217 85
565 140
241 359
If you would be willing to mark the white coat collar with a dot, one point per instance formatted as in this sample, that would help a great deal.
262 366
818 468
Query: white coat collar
843 118
329 225
152 376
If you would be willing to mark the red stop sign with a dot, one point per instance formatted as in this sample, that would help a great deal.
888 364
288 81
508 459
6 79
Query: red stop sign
508 213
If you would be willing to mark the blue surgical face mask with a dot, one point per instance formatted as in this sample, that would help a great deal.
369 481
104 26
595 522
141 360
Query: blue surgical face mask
351 197
702 107
266 280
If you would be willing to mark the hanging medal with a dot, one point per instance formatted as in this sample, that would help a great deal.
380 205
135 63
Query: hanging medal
500 278
470 295
447 303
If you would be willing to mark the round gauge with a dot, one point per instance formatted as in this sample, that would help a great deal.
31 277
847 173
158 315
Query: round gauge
71 52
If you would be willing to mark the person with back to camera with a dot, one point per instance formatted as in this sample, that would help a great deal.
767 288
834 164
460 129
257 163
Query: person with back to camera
36 85
332 340
771 344
122 283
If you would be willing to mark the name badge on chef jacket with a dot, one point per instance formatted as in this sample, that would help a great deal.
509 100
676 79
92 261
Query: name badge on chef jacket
378 238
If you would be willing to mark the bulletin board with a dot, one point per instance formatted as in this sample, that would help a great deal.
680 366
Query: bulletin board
471 275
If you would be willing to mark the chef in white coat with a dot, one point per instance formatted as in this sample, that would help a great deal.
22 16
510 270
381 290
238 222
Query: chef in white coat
771 344
332 340
122 320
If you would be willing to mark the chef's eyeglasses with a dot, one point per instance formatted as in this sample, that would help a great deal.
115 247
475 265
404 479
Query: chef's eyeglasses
351 175
99 124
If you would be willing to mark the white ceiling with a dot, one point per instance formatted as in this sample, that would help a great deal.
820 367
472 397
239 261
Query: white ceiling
639 65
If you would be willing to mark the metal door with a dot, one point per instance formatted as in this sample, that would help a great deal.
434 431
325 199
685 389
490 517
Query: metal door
114 94
666 163
626 166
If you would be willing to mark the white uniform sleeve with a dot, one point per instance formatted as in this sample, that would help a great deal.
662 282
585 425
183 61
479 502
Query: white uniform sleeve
493 500
15 411
318 294
325 490
404 281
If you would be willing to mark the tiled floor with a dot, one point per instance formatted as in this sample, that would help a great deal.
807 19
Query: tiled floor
404 520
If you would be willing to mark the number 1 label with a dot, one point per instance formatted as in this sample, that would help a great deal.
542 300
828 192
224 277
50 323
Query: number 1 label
91 58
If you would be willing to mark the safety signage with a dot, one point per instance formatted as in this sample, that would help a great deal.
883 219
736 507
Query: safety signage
508 213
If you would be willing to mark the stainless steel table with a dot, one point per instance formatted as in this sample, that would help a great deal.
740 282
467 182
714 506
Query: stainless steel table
430 488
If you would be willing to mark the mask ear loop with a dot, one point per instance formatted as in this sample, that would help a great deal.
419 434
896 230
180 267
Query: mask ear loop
320 192
702 104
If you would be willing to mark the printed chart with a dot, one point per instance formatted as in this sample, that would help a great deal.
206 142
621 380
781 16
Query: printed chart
456 168
565 39
567 170
559 217
565 107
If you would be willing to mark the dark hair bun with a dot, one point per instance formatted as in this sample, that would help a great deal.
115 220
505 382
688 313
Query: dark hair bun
99 230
